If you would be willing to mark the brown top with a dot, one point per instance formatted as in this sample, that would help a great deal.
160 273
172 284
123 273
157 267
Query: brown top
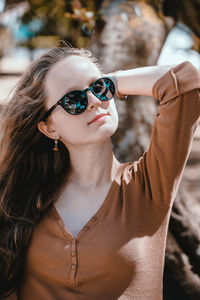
119 253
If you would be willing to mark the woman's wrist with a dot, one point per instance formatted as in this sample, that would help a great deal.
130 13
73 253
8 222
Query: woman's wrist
115 79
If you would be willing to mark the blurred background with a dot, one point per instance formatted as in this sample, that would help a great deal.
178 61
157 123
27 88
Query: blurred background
122 35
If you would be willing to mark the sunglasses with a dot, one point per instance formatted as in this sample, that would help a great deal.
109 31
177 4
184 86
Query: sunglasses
75 102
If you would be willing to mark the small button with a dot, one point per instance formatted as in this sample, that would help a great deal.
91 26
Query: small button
94 219
74 267
85 228
73 253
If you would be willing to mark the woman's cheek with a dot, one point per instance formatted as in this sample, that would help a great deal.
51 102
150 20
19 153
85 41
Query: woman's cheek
114 114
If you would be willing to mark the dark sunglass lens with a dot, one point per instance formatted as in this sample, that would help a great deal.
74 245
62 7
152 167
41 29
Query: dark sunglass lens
75 103
104 89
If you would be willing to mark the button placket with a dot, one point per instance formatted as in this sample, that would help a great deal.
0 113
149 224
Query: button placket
74 264
74 259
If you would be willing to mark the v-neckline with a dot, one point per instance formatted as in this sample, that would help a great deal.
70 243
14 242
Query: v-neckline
99 211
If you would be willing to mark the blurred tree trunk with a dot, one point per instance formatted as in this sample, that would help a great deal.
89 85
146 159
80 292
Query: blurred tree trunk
131 34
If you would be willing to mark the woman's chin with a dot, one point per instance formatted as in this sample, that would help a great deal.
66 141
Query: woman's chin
106 131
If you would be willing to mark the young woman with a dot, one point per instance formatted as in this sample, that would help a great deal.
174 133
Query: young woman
75 223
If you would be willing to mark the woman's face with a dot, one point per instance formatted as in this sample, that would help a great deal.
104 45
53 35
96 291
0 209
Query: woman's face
77 73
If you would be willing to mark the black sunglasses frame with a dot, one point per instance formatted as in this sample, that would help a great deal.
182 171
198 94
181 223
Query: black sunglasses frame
61 100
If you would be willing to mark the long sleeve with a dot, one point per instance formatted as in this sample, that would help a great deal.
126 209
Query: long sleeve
161 166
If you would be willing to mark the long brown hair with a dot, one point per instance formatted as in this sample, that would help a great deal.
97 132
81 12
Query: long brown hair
31 173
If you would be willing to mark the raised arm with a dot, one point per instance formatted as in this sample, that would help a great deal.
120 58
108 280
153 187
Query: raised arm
139 81
160 168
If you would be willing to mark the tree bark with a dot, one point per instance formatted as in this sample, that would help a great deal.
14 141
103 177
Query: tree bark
132 36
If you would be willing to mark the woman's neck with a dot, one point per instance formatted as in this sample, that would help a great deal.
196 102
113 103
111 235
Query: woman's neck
92 165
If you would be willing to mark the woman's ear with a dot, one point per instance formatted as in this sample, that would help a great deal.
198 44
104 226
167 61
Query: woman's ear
48 130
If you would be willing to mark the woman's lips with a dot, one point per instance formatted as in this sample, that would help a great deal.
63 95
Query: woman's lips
98 117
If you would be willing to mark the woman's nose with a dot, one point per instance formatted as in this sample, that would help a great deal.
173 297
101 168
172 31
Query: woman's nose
93 101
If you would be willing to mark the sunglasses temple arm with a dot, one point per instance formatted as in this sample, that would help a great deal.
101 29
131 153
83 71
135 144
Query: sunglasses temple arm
50 111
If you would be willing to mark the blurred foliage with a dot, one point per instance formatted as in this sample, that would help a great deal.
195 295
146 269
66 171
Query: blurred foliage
74 20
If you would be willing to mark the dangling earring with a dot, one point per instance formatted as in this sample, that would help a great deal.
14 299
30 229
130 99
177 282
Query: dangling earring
55 148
